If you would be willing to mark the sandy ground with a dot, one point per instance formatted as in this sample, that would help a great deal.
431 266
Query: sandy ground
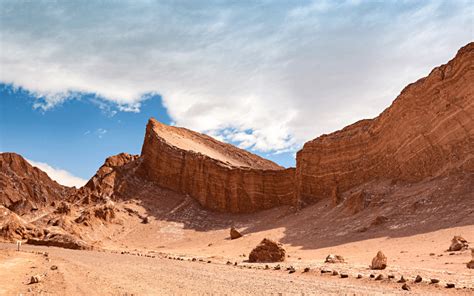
110 273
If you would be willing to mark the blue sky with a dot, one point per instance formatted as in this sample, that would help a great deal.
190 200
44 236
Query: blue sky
79 80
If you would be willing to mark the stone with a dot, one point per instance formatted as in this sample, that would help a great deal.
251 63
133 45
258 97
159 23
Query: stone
36 279
434 281
306 269
267 251
334 272
331 258
401 280
379 261
359 276
379 277
291 269
406 287
344 275
234 234
54 267
458 243
418 279
450 285
146 220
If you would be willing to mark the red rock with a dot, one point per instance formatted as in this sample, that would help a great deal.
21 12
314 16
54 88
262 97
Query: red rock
267 251
426 132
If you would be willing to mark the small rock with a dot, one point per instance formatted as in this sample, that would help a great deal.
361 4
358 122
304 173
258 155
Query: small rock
359 276
325 271
391 276
418 279
401 280
371 276
458 243
194 259
379 261
229 263
406 287
306 269
209 261
450 285
267 267
331 258
278 267
344 275
234 234
379 277
335 272
291 269
432 254
434 281
54 267
35 279
146 220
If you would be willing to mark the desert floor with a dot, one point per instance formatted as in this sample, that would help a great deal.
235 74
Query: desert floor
171 270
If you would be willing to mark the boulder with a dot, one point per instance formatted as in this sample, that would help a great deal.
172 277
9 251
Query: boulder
234 234
267 251
458 243
331 258
379 261
470 264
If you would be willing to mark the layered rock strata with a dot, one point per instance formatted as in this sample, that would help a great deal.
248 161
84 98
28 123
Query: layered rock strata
220 176
427 132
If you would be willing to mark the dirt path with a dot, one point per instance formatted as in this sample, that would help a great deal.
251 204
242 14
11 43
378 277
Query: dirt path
105 273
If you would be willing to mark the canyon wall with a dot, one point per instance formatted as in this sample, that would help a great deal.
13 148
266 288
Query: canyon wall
219 176
428 131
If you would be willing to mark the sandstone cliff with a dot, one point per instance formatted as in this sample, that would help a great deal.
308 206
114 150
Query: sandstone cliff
427 132
220 176
24 187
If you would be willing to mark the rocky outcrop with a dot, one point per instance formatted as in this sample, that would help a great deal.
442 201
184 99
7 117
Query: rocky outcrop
219 176
428 131
61 240
267 251
24 188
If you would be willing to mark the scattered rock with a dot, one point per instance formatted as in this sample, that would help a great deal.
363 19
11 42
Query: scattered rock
54 267
234 234
432 254
379 261
418 279
434 281
306 269
391 276
278 267
229 263
401 280
371 276
406 287
359 276
470 264
344 275
291 269
458 243
267 251
325 271
379 277
335 272
450 285
146 220
331 258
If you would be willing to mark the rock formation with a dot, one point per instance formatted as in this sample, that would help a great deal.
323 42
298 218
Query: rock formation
267 251
25 188
428 131
234 234
331 258
219 176
379 261
458 243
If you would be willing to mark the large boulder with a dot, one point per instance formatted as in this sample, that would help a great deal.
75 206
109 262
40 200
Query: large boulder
458 243
267 251
234 234
379 261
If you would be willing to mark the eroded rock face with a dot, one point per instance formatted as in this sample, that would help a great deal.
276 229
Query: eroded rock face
24 187
428 131
220 176
61 240
267 251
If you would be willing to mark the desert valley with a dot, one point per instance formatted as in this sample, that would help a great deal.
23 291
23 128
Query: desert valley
383 206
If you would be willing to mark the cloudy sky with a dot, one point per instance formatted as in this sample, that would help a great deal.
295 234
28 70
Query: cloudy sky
79 79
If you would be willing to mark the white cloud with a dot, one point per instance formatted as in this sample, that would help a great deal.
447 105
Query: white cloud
61 176
272 75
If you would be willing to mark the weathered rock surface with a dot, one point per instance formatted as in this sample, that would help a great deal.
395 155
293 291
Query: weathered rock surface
379 261
24 188
219 176
267 251
428 131
458 243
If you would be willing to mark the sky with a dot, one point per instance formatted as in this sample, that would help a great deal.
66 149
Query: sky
79 79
